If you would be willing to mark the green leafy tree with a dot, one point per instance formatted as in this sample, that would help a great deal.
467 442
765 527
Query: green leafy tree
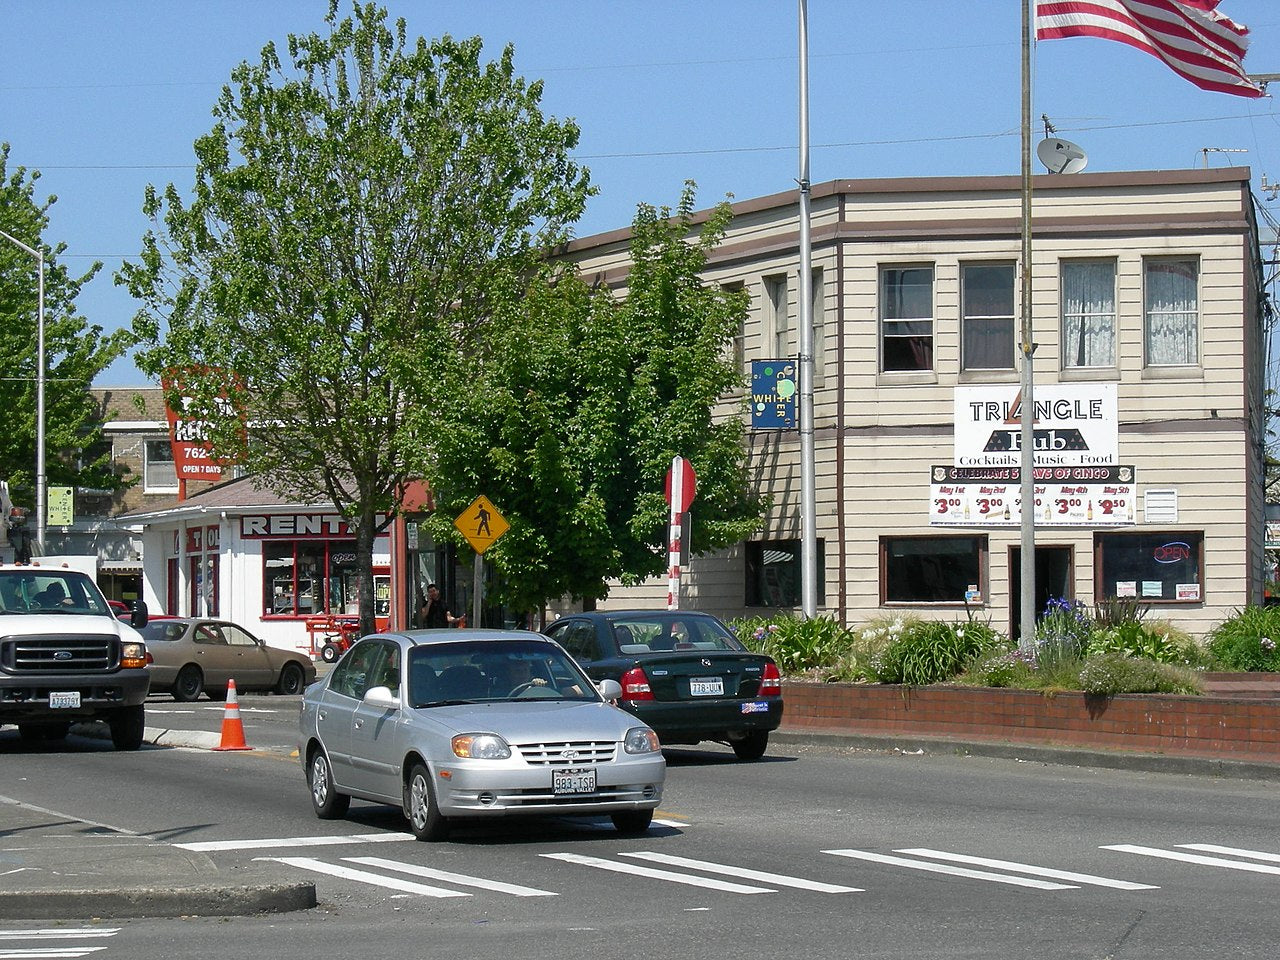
578 405
75 353
355 220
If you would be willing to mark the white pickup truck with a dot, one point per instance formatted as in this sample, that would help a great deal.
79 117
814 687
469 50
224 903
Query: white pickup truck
65 657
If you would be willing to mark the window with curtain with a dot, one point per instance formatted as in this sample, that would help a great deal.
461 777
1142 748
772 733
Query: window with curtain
906 318
1172 312
1089 314
776 320
987 316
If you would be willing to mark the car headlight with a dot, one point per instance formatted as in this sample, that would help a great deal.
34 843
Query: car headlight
481 746
133 654
641 740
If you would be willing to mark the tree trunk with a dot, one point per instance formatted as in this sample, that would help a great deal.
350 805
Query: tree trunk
366 531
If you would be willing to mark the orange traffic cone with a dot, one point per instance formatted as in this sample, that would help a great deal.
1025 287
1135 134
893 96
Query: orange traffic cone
232 728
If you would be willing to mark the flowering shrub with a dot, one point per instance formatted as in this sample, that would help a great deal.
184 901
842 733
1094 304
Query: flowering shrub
1110 673
930 652
797 644
1247 640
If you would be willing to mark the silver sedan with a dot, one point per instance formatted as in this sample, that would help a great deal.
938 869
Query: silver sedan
453 724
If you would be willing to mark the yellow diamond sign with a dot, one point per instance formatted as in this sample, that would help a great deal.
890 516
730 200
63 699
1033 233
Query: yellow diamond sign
481 524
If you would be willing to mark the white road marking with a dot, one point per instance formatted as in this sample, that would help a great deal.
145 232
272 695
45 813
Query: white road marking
208 846
461 879
1234 851
60 933
951 871
1027 868
742 873
679 824
51 953
638 871
363 876
1193 858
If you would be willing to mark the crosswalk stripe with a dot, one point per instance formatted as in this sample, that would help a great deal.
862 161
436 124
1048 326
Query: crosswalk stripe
363 876
1234 851
54 933
952 871
742 873
208 846
1193 858
639 871
1027 868
431 874
48 953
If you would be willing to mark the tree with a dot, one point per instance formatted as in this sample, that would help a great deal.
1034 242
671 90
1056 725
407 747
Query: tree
577 407
75 353
354 222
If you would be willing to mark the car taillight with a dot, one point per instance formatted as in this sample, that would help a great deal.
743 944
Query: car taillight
770 681
635 685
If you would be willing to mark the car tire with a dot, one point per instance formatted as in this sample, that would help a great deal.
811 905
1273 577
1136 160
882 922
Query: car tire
291 680
43 732
420 806
631 822
128 724
750 746
327 802
188 684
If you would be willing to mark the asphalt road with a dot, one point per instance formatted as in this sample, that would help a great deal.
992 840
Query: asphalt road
814 852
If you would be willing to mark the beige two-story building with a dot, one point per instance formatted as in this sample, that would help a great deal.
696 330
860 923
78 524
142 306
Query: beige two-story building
1148 319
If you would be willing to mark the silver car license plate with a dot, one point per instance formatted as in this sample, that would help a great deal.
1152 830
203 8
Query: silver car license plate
64 700
706 687
570 782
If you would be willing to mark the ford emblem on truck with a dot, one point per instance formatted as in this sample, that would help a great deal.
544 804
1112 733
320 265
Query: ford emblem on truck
62 655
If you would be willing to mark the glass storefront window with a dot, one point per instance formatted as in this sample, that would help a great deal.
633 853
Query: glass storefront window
305 577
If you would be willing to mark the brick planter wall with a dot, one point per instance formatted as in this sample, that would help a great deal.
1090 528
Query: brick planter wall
1215 727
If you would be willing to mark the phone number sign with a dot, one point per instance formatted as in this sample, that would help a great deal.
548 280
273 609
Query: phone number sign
1065 496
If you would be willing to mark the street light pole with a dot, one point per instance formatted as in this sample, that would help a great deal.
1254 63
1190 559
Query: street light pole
41 485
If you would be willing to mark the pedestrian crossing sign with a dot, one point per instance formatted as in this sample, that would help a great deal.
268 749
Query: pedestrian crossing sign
481 524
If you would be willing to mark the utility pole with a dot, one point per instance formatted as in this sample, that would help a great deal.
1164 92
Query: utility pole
41 481
808 483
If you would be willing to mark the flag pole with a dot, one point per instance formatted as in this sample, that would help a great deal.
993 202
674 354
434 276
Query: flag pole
808 484
1027 574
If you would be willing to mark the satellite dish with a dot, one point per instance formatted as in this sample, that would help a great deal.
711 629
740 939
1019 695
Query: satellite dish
1061 156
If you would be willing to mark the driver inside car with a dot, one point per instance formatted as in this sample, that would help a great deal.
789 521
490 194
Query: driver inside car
512 674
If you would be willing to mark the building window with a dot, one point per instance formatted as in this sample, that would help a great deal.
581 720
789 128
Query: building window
305 577
986 319
777 323
906 318
1089 314
1160 567
738 347
773 573
819 326
1172 312
159 475
931 569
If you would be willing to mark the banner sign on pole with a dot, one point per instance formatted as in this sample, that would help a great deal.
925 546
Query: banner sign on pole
773 394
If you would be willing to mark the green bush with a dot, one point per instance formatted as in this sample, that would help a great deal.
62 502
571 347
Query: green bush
1107 674
1001 668
797 644
1135 640
925 652
1248 640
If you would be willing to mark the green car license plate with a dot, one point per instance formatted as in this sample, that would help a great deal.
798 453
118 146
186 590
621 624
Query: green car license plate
571 782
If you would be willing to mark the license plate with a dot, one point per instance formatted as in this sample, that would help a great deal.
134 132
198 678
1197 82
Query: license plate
569 782
706 687
69 699
758 706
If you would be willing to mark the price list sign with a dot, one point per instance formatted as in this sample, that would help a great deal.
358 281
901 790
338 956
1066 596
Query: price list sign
1103 496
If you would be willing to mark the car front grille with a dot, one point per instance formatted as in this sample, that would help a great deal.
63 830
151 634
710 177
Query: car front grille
60 653
567 753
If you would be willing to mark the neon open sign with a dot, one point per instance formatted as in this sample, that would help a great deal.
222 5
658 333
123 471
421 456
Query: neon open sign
1172 552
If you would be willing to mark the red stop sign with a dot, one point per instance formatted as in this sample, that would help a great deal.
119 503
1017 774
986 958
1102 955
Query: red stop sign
681 485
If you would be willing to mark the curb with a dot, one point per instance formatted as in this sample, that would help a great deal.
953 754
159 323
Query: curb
139 902
1068 756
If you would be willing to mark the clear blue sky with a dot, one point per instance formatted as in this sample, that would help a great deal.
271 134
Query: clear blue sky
104 97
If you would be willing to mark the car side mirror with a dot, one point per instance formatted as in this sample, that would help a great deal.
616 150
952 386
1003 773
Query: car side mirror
138 617
383 697
609 689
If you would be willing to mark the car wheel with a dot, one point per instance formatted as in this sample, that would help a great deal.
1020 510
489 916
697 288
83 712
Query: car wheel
127 727
43 732
327 802
188 684
290 680
631 822
750 746
329 653
421 808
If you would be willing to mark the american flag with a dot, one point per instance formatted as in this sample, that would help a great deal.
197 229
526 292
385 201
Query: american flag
1191 36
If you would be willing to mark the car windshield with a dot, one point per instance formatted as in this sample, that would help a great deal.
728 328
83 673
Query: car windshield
38 590
160 630
660 633
494 670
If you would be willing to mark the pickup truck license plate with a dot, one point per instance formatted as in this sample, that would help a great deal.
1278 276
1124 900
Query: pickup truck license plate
570 782
64 700
706 687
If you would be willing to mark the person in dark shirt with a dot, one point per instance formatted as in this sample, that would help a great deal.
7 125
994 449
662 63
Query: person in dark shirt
433 614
